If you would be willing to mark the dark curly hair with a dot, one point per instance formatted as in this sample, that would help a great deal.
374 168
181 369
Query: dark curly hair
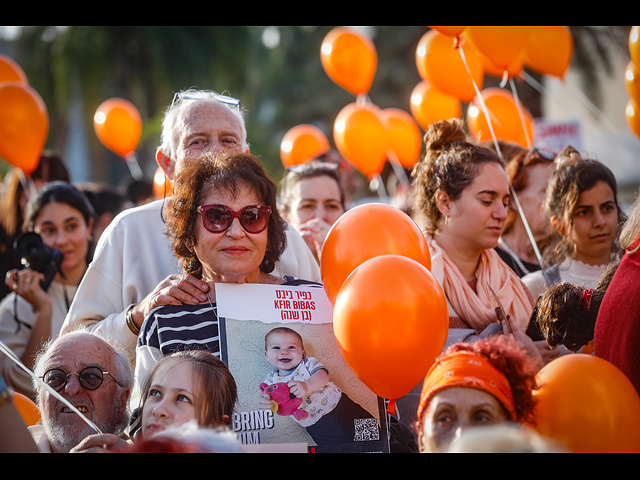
220 171
565 318
507 356
573 176
450 164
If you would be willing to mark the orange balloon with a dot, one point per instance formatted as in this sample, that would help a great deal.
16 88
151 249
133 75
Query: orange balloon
404 135
634 44
632 116
390 321
162 185
439 61
24 125
430 105
549 50
301 144
10 71
632 81
500 44
504 116
118 125
451 31
349 59
589 405
511 72
364 232
361 137
27 408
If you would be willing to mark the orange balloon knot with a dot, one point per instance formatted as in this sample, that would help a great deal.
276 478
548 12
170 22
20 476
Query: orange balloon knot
391 408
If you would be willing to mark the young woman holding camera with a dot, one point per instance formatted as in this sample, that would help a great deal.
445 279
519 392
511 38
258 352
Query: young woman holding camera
56 259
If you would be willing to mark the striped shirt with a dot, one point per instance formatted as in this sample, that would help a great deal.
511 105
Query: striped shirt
179 327
171 328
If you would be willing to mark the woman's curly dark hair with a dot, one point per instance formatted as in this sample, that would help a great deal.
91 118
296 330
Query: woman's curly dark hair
507 356
450 164
573 176
221 171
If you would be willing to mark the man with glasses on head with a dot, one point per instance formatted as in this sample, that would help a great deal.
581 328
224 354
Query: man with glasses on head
134 269
94 377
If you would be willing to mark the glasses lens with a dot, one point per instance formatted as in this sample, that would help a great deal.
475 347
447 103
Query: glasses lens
56 379
217 219
91 378
254 219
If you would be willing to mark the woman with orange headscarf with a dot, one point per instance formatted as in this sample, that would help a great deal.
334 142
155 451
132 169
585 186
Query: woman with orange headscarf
487 382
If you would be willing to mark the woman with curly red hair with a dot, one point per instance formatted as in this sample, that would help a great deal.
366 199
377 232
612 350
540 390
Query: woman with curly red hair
487 382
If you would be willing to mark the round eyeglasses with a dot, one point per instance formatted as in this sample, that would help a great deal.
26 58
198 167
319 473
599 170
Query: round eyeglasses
90 378
218 218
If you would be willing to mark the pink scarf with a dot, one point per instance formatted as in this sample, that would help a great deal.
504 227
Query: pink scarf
478 308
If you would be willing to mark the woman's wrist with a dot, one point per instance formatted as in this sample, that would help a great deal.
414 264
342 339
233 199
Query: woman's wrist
135 329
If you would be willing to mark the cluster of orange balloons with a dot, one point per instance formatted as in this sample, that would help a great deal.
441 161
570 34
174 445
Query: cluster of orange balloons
452 62
24 120
390 315
364 134
632 82
587 405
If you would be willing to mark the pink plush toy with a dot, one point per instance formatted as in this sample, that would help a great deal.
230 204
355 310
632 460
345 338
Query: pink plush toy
284 403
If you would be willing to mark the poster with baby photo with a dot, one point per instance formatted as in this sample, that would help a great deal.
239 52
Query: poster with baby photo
295 391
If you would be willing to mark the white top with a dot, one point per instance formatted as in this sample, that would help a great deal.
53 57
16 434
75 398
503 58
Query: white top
572 271
133 256
317 403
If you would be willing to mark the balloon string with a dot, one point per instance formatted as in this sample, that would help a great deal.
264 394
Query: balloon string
27 183
497 146
134 167
590 105
398 169
483 106
377 184
520 112
9 353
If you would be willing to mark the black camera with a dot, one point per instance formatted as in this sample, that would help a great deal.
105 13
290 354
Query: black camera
39 257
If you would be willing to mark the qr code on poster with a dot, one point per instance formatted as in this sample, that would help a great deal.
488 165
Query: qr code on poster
366 429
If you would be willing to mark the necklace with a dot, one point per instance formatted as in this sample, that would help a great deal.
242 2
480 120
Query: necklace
515 258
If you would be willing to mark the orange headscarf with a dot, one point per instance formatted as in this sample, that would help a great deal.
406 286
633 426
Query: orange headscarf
466 369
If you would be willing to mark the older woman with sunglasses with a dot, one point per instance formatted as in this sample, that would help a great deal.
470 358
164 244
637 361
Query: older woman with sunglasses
224 227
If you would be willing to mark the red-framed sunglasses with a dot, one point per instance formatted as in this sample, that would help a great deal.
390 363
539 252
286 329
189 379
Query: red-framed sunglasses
218 218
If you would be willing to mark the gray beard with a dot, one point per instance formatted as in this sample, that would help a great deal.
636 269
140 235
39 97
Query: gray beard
63 438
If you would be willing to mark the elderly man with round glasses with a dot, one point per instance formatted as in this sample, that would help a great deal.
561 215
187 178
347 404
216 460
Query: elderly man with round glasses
134 270
92 376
